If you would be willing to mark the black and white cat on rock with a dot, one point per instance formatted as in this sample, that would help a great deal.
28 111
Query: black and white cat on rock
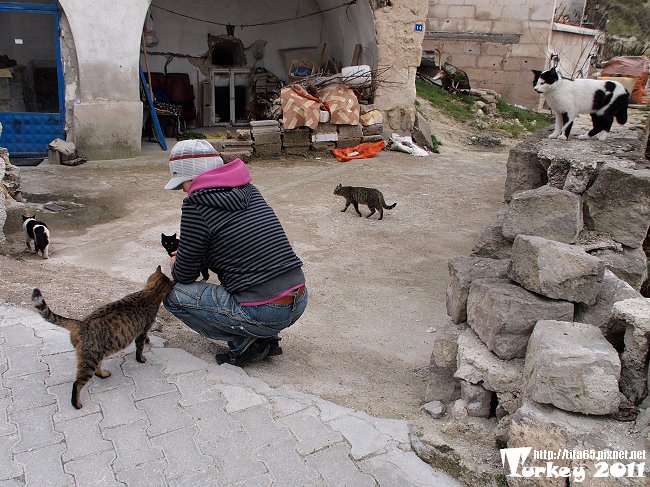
604 100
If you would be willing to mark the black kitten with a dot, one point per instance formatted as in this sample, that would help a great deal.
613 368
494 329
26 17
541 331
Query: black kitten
170 244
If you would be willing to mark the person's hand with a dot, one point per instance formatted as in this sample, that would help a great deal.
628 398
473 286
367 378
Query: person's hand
172 259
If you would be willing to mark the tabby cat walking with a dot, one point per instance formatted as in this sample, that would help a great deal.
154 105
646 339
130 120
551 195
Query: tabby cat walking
355 195
110 328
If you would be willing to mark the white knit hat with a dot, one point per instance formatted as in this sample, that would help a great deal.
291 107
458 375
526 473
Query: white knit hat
189 158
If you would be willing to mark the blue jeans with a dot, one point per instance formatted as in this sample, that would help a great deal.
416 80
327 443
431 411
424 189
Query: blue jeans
211 311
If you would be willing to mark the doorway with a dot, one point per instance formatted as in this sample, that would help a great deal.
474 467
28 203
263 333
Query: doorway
230 95
32 108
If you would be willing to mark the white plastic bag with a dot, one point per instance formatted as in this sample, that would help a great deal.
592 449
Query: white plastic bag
150 37
406 144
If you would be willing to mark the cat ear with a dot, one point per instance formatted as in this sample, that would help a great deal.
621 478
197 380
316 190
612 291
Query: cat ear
158 269
174 235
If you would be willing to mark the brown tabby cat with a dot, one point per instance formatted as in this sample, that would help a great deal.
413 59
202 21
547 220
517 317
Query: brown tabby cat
366 196
110 328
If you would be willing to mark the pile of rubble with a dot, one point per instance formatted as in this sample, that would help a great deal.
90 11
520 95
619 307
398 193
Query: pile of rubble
550 340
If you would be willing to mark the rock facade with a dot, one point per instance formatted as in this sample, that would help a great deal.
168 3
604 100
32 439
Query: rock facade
573 367
546 212
556 270
568 328
503 315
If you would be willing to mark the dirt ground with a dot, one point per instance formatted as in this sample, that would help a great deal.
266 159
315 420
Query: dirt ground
377 288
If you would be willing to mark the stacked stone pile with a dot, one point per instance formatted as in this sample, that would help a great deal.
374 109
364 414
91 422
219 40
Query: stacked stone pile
547 318
267 138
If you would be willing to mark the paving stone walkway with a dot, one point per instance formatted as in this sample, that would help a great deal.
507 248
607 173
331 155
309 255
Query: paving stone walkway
179 421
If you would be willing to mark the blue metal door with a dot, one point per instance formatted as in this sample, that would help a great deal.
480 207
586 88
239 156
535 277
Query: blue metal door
32 106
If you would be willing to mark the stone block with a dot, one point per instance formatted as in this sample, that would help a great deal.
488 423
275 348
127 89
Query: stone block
270 138
555 269
232 154
436 409
421 132
325 147
264 123
545 212
441 384
351 132
547 428
573 367
268 150
600 313
296 137
618 203
633 315
503 315
371 138
477 365
377 129
629 264
478 400
462 271
490 242
346 143
325 128
524 169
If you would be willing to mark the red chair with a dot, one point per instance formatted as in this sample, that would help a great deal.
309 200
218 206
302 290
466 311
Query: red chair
181 92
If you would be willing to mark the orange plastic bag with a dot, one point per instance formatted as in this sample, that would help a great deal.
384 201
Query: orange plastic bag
634 67
361 151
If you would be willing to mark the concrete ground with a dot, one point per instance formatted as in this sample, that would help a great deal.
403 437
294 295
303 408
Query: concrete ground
377 288
180 421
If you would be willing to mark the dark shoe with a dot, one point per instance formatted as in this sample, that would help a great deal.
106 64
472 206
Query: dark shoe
256 352
275 348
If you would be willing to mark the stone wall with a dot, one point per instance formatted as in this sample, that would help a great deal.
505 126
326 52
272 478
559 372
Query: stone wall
550 333
498 43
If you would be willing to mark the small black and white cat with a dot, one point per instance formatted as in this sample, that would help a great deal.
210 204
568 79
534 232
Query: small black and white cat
170 244
605 100
38 232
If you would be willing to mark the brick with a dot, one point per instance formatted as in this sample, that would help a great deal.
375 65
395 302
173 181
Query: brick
311 432
23 361
36 428
55 341
261 427
83 437
19 336
8 468
267 139
118 407
6 428
62 368
182 454
285 463
268 150
148 378
43 467
346 143
29 392
232 457
461 11
376 129
116 380
132 445
336 468
65 410
164 413
349 131
150 474
89 470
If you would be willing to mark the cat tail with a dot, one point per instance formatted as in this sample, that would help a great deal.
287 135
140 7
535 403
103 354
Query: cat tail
388 207
49 315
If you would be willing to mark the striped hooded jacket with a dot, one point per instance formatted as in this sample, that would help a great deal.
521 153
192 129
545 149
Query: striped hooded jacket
227 224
